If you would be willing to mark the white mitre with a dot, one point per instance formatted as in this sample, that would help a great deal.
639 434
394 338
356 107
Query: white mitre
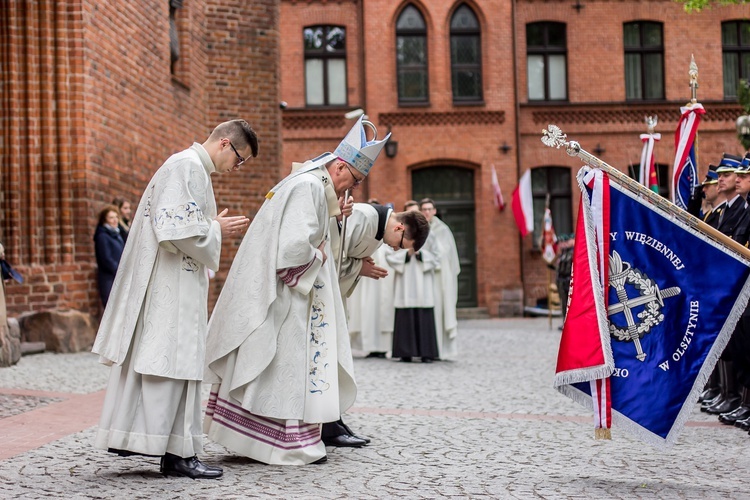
356 151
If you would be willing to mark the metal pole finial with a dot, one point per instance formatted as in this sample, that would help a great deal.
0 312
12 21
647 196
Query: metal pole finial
693 73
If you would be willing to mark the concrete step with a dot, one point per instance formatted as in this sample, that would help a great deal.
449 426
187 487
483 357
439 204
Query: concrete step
472 313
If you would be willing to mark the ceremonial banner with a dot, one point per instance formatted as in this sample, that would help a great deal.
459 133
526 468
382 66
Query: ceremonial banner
648 165
523 204
497 195
658 325
684 172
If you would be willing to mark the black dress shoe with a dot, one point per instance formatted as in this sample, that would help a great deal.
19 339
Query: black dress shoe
346 427
740 413
427 360
376 355
405 359
743 424
344 441
728 404
711 402
709 393
321 460
172 465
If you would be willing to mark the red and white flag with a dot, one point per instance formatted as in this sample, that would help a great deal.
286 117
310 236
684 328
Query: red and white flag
585 353
523 205
497 195
549 238
684 172
648 165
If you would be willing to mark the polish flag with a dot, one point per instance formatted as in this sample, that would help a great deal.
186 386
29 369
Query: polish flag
523 205
497 195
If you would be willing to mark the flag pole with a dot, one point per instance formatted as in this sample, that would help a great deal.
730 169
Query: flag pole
693 74
549 277
554 138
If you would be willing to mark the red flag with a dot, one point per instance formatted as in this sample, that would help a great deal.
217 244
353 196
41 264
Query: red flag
585 353
497 195
523 205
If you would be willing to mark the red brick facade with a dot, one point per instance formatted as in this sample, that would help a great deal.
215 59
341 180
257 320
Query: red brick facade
91 109
510 273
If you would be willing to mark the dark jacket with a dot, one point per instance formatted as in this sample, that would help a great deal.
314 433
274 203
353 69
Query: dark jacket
108 245
731 216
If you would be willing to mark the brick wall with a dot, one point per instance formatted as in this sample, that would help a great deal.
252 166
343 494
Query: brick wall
448 134
242 81
93 109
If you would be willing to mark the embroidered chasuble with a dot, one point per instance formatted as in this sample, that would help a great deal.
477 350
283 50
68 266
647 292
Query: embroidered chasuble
278 353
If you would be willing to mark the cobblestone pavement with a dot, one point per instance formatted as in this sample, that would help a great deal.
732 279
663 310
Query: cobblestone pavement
486 426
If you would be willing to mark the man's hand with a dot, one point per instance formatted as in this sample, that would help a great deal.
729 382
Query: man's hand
346 208
370 270
232 226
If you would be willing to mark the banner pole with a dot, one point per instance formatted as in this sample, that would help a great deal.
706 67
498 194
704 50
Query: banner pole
553 137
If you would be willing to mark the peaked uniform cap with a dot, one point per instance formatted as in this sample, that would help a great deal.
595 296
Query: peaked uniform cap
728 163
711 176
357 151
744 167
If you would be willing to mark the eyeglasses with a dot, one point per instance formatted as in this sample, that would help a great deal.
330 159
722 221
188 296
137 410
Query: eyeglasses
240 159
357 182
401 245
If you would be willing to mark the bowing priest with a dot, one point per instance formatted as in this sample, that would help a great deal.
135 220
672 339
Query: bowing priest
367 229
278 352
153 331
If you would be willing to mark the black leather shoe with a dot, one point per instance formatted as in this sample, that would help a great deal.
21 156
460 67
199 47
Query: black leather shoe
346 427
322 460
427 360
710 393
406 359
711 402
727 405
743 424
376 355
344 441
741 413
172 465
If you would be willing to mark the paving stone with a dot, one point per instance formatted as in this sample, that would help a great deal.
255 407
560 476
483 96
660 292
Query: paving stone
488 425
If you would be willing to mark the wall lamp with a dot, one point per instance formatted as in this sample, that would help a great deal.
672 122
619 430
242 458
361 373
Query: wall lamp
505 148
599 150
391 148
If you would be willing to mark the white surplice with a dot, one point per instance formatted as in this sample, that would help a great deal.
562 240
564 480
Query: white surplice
278 347
154 327
368 330
445 288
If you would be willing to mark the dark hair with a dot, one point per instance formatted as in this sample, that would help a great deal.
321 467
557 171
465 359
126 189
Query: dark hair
410 203
106 210
119 202
416 227
373 201
239 132
426 200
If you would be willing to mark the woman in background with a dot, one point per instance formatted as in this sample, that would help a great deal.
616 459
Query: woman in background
125 213
108 243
